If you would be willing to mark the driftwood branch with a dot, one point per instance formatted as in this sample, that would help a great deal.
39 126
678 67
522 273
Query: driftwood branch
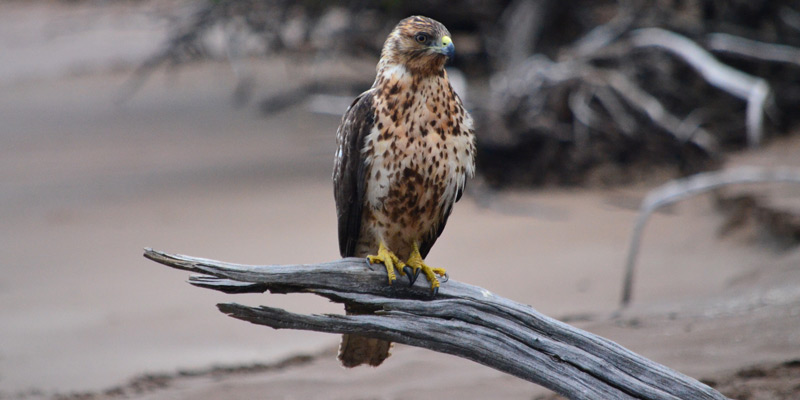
754 90
681 189
462 320
739 46
638 98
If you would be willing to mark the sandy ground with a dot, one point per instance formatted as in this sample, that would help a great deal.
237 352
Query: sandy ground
87 182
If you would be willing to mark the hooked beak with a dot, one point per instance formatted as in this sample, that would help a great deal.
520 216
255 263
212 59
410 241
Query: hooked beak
447 48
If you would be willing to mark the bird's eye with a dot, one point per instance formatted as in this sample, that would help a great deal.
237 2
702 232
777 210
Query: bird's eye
421 38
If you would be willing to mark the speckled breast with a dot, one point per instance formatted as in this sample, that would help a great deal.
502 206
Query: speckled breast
420 152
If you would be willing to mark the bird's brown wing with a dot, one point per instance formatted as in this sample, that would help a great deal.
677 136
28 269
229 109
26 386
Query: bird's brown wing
430 238
349 171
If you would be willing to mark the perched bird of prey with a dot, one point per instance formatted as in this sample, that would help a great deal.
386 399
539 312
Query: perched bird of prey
405 149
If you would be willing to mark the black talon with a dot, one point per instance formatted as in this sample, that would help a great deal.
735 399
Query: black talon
412 277
434 292
416 275
445 278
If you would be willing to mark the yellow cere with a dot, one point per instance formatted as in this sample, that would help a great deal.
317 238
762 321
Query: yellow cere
446 40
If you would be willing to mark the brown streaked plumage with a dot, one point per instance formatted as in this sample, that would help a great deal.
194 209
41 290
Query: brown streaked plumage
405 148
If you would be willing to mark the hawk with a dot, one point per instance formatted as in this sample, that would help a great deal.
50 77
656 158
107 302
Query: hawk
405 148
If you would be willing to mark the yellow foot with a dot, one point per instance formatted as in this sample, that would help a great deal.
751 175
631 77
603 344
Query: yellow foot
417 264
389 260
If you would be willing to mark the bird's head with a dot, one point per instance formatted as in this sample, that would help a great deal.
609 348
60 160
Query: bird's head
420 44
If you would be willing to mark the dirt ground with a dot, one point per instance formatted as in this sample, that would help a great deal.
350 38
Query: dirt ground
87 181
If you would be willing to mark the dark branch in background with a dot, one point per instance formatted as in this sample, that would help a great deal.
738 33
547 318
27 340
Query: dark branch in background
739 84
183 44
651 83
646 85
462 320
307 30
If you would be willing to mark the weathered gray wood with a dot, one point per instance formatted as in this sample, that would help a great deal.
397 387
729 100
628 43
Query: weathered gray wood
462 320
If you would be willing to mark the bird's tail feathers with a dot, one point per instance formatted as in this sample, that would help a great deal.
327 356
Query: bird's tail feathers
356 350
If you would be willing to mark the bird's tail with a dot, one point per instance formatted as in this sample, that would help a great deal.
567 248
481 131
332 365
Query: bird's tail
356 349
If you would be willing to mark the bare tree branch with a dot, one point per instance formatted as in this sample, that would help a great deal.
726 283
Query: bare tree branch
639 99
603 35
726 43
462 320
681 189
753 90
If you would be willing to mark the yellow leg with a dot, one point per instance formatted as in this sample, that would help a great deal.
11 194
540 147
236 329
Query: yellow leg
416 263
389 260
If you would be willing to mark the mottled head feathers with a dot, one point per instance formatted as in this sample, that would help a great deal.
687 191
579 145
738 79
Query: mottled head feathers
421 44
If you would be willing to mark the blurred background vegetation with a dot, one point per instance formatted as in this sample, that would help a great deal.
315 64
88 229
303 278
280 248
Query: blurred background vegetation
565 93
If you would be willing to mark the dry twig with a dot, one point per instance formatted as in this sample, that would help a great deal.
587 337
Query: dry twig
681 189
